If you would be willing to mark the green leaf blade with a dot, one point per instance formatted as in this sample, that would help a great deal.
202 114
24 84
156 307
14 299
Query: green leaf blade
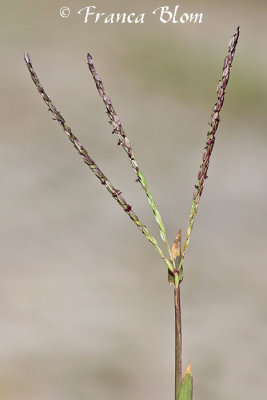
186 391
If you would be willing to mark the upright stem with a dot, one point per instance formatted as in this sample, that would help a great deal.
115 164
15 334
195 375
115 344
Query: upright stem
178 341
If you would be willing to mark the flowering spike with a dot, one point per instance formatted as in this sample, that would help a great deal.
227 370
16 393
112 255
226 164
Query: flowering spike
215 120
126 145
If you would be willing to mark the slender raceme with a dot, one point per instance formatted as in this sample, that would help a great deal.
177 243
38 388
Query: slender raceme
116 194
215 119
126 145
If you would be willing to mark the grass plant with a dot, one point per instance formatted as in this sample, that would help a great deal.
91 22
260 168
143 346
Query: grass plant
173 256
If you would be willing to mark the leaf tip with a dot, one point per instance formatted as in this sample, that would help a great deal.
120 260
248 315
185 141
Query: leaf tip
188 370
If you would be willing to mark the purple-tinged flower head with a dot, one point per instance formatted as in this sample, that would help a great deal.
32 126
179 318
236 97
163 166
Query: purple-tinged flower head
124 141
213 126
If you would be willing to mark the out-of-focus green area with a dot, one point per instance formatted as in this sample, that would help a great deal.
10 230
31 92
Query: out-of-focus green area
85 308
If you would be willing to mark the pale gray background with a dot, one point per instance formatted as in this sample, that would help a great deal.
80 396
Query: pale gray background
85 308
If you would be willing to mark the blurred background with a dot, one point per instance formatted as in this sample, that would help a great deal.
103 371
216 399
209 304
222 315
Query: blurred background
86 311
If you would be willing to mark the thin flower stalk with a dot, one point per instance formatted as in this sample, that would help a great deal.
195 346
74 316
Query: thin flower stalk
176 279
215 120
116 194
124 141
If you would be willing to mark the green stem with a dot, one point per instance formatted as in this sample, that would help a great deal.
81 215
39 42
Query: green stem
178 341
